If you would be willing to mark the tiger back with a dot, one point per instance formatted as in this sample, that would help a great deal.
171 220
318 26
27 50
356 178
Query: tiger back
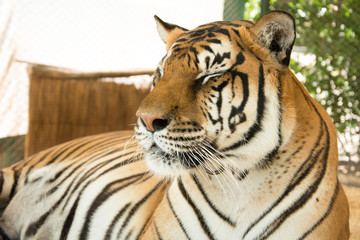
229 145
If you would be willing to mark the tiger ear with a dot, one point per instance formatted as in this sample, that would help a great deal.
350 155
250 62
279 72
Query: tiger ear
168 32
276 32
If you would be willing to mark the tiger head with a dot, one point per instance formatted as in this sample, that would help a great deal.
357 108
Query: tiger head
216 102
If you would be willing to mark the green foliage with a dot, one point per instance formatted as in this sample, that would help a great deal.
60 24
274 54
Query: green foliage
329 29
252 10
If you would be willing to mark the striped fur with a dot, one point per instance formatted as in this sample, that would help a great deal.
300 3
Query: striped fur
229 145
76 191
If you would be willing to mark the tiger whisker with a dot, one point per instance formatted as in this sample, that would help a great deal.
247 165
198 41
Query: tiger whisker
193 156
216 159
207 162
230 173
223 156
202 162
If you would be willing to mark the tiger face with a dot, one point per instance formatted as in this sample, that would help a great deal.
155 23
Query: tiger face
215 103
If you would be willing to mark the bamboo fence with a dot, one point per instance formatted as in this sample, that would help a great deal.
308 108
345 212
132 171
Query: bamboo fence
65 104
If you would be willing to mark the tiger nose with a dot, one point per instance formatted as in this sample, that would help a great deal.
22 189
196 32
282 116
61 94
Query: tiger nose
153 123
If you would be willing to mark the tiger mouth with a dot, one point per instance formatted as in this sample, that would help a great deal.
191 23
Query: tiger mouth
206 158
188 159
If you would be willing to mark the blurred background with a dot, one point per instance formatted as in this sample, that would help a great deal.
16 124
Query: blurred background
71 68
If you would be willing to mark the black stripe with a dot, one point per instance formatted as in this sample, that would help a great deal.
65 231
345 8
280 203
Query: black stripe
34 227
135 208
296 205
129 234
182 139
105 163
100 142
176 216
70 175
256 127
58 151
1 181
219 102
305 168
15 184
239 45
297 178
197 34
207 48
302 172
122 163
239 110
207 61
146 177
327 212
75 147
39 157
332 201
280 91
219 58
77 167
69 220
110 229
217 41
179 40
269 157
90 149
217 211
142 230
248 22
231 24
196 210
240 59
157 232
188 62
225 32
103 196
90 173
94 157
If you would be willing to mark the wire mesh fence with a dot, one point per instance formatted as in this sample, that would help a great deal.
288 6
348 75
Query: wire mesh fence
13 83
87 36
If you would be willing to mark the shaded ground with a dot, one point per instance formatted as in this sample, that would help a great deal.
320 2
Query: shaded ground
352 189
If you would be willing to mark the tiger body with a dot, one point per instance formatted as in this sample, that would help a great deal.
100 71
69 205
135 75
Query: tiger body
229 145
92 204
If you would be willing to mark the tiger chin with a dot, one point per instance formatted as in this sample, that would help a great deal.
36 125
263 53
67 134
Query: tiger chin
232 146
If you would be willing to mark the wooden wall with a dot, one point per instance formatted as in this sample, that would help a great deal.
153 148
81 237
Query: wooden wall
64 105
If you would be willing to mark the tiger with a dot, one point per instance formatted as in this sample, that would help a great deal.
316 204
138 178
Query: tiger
228 144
